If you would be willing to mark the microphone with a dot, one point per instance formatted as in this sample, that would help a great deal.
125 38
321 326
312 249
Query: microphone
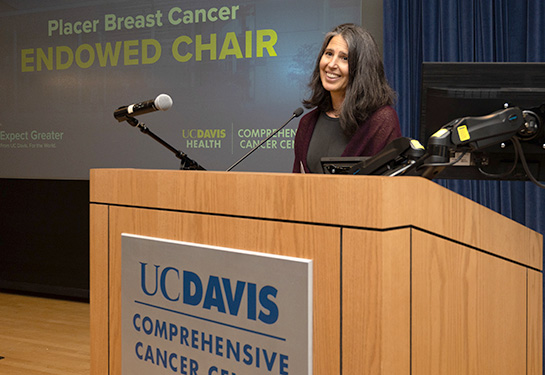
298 112
160 103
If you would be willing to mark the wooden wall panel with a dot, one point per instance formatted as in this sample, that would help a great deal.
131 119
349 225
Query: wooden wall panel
376 302
322 244
468 310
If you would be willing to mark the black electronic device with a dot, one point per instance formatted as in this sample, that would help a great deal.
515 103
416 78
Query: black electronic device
453 91
340 164
398 157
162 102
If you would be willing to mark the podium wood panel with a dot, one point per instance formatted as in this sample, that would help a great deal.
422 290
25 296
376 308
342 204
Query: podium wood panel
366 202
535 322
376 302
99 293
409 278
468 310
305 241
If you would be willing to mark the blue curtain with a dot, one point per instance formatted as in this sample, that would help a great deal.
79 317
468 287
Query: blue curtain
465 31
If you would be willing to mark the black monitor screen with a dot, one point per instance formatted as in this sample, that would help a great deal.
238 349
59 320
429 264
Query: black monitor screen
455 90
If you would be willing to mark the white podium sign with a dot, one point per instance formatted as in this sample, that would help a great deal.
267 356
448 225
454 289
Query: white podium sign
204 310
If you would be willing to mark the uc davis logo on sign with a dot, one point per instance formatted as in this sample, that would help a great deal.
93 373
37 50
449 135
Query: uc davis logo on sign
196 309
221 294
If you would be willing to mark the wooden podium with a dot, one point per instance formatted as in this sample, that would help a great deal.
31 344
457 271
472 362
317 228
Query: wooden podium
409 277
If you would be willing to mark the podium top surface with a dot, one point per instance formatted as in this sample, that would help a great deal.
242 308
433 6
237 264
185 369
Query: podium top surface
368 202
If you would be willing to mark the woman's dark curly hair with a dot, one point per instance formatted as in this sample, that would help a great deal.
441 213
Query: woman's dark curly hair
367 88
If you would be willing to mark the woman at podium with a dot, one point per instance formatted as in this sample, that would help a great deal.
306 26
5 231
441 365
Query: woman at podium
353 100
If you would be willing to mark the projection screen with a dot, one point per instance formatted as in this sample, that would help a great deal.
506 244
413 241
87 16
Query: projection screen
235 70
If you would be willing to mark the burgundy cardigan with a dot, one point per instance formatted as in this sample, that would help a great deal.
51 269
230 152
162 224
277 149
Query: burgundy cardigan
370 138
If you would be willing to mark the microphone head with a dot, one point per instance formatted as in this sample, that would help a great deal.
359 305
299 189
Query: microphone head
298 112
163 102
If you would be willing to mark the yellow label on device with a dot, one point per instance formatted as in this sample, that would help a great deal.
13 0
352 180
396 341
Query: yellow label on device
416 145
463 133
439 133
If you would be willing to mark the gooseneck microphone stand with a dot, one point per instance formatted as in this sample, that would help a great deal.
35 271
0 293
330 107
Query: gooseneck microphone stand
185 162
298 112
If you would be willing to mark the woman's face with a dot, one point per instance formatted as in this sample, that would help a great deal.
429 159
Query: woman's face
334 66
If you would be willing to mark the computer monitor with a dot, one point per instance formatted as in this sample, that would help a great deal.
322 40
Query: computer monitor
455 90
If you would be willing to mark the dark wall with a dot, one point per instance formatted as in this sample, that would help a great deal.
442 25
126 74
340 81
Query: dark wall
44 237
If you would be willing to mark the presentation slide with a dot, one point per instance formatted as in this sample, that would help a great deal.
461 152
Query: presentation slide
235 70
